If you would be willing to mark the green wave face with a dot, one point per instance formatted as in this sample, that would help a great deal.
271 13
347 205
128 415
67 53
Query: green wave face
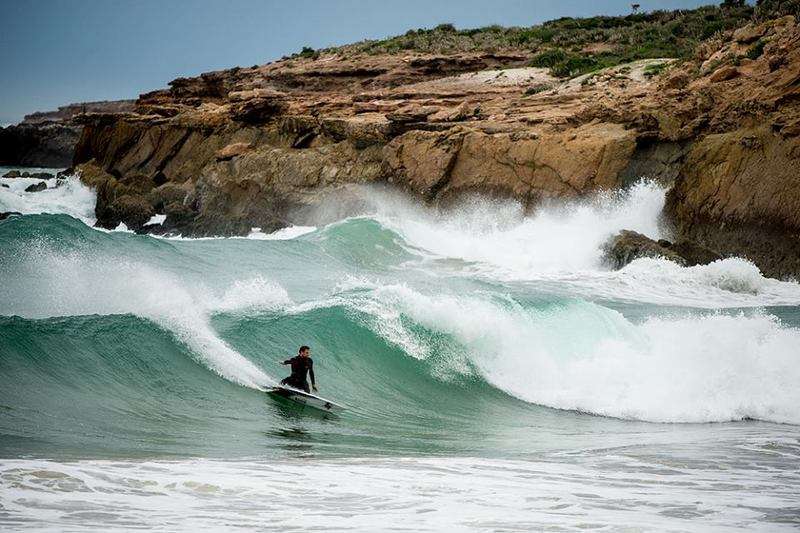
114 344
96 353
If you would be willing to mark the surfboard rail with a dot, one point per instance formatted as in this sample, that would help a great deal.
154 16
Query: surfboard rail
306 398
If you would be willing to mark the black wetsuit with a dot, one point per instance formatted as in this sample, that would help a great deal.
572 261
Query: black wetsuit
300 366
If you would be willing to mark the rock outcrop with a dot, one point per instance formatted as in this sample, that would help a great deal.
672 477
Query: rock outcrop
740 191
234 149
626 246
199 155
739 188
36 187
67 112
45 145
48 139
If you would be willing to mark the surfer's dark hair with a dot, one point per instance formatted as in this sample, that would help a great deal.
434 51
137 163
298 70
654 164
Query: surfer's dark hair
303 349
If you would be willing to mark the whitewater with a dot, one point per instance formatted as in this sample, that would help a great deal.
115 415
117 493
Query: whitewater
498 374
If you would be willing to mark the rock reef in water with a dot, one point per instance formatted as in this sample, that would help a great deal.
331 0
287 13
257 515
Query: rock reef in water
36 187
253 147
628 246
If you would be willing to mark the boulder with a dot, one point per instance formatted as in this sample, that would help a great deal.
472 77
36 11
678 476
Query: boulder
748 34
693 253
133 211
4 186
724 74
462 112
13 174
167 194
232 150
180 217
626 246
36 187
41 175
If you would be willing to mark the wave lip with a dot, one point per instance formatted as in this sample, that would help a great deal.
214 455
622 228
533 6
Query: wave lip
49 283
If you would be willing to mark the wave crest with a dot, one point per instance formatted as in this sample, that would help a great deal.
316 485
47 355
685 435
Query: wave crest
582 356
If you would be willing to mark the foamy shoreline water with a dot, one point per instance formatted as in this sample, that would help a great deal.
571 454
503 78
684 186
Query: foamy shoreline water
616 491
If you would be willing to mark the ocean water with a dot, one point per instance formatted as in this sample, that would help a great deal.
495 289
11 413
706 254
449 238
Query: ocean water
498 376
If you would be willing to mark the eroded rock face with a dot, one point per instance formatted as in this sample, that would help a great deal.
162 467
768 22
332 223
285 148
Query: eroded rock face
230 150
740 192
523 166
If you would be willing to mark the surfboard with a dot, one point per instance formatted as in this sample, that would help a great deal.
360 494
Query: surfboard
305 398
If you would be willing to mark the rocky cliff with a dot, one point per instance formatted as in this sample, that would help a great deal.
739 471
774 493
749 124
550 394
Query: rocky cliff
48 139
38 145
229 150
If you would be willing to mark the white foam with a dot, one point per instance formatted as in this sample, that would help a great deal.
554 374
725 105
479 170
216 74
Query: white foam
582 356
282 234
72 198
47 283
731 282
693 491
156 220
122 228
560 237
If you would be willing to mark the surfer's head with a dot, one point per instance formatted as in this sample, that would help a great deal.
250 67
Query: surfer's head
304 351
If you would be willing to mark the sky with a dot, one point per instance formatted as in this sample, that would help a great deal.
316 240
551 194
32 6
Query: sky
54 52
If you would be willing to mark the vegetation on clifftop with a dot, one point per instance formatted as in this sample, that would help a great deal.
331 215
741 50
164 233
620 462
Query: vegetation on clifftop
666 32
574 46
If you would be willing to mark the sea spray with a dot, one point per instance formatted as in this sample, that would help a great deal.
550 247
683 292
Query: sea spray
558 237
68 196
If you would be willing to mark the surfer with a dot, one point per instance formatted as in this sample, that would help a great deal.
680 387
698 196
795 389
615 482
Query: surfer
302 364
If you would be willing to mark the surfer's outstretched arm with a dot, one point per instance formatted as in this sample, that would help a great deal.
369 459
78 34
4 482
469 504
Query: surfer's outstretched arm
311 374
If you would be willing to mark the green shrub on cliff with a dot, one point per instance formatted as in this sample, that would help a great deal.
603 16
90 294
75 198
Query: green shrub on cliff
308 52
755 51
574 46
769 9
549 58
655 69
678 31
